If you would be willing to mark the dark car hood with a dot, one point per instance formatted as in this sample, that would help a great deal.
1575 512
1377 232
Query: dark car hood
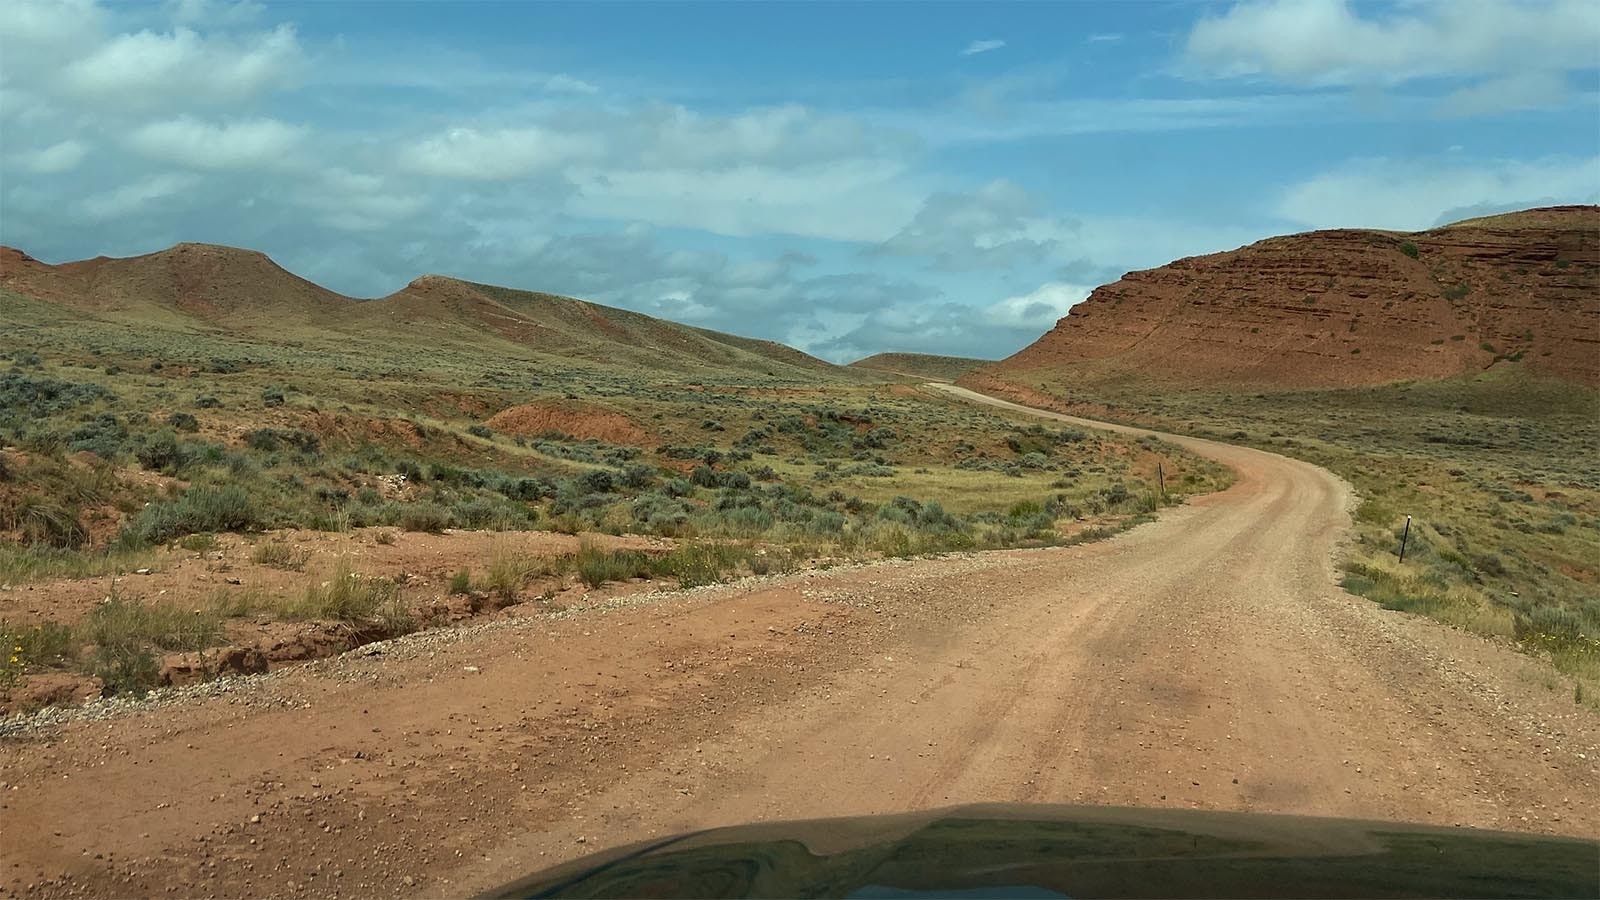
1067 851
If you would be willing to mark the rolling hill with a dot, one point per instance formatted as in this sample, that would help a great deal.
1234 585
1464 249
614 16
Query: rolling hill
1341 308
204 283
235 291
921 365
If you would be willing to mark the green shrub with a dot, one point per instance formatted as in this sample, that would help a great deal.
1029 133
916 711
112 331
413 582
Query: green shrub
104 436
1488 564
511 570
44 522
699 564
164 626
1409 249
347 596
280 555
159 452
461 581
183 421
269 440
636 476
747 520
705 476
424 516
274 396
198 543
125 669
596 566
1551 623
200 508
659 513
46 644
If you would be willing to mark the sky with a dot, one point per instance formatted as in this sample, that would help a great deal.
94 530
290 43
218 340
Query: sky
847 178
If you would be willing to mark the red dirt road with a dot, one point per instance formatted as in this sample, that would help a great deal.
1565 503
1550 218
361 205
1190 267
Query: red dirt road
1204 660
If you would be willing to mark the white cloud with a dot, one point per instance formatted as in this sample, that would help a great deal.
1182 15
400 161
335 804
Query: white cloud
976 47
245 143
1038 309
358 201
49 23
214 12
183 67
1105 38
566 84
1321 42
851 200
58 157
987 228
1003 118
1413 194
496 154
788 135
136 196
1522 90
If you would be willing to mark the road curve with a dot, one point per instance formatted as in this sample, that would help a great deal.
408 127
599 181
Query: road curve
1205 660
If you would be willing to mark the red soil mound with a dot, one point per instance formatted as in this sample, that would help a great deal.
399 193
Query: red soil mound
1345 307
584 422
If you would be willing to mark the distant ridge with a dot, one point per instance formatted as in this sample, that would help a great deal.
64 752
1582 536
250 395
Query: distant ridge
210 286
921 365
208 282
1341 308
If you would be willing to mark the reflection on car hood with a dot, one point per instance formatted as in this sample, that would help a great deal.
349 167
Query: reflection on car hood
1067 851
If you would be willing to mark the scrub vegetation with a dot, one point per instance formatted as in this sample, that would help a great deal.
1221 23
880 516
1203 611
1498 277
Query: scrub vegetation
129 449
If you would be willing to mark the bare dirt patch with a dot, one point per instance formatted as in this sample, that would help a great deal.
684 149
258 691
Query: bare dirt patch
576 420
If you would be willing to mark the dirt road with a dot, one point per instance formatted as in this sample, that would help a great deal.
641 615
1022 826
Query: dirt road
1204 660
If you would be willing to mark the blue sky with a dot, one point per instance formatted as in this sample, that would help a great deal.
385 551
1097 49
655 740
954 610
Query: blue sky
847 178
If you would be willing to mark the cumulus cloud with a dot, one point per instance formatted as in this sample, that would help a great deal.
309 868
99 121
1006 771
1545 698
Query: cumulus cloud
183 67
1522 90
566 84
58 157
1038 309
1323 42
137 196
987 228
1412 194
501 153
49 23
670 136
240 144
214 12
848 200
977 47
942 327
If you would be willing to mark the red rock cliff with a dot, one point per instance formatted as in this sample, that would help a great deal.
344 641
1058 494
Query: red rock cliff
1345 307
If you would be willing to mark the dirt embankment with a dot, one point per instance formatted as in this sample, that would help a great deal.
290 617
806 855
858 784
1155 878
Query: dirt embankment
581 421
1206 660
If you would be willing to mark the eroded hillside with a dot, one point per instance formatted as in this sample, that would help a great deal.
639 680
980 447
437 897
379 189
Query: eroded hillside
1341 308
